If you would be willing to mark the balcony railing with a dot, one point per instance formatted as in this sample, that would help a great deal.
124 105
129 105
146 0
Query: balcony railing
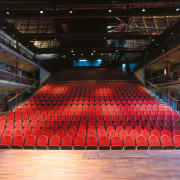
168 100
15 101
173 76
14 78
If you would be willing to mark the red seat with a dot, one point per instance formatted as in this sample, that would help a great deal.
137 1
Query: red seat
30 142
91 143
176 140
42 142
49 133
141 142
123 134
6 142
154 143
145 134
104 143
129 143
54 142
79 142
116 143
156 133
66 142
18 142
166 142
134 134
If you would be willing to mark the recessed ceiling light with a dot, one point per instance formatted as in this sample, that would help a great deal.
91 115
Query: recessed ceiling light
7 11
143 8
41 11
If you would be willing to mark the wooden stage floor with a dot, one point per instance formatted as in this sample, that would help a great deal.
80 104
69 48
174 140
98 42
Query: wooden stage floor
52 164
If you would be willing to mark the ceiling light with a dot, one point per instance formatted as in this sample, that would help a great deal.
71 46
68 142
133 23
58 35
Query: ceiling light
143 8
110 9
81 54
177 9
92 54
72 51
94 51
70 10
73 54
116 50
41 11
7 11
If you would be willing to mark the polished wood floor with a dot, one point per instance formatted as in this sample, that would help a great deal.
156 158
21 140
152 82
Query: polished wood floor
47 164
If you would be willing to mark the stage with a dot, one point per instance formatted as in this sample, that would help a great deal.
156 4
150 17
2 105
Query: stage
71 164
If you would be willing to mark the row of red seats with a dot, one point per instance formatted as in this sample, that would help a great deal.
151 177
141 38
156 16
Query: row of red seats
79 142
73 132
111 119
128 129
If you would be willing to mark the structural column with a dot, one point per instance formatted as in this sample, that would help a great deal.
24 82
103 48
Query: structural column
168 69
169 94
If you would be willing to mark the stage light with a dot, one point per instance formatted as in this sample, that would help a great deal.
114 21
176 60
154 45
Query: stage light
70 10
81 54
177 9
110 9
92 54
7 11
41 11
83 60
143 8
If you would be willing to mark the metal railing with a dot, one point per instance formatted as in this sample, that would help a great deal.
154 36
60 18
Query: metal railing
11 77
168 100
15 101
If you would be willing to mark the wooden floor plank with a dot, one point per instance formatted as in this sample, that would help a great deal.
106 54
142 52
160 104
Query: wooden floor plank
44 164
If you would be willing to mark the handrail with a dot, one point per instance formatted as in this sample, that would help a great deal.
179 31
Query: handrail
161 91
158 88
16 74
22 92
163 75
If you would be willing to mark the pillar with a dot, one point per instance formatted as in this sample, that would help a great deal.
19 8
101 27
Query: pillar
169 94
17 68
168 69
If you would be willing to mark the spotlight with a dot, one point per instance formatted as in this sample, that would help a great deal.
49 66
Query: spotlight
143 8
91 54
94 51
70 10
7 11
110 9
177 9
81 54
72 51
41 11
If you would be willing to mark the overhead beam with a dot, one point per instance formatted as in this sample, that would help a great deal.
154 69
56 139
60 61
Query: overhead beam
89 36
89 50
30 10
